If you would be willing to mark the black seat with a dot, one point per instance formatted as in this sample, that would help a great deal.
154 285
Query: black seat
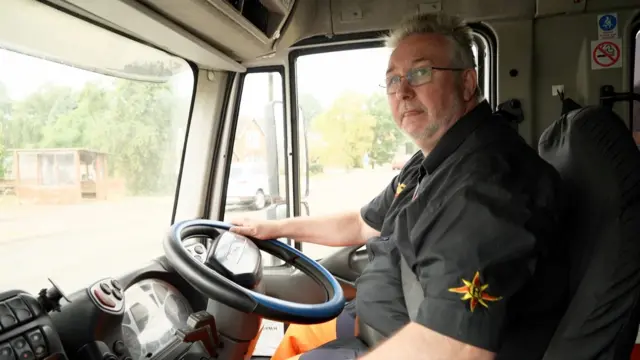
597 158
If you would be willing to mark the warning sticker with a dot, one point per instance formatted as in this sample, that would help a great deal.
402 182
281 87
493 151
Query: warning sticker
608 26
606 54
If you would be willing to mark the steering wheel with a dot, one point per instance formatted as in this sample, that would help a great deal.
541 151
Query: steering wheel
232 271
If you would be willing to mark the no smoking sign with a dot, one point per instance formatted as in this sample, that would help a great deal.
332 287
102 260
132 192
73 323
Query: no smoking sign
606 54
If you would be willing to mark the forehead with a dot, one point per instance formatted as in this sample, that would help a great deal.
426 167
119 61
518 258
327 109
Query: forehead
431 48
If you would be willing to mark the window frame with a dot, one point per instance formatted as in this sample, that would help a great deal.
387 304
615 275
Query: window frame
233 132
633 72
482 35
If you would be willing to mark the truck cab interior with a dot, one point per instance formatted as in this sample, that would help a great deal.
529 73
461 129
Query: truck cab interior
133 131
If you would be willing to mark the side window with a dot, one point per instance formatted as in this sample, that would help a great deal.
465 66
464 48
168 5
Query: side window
481 54
354 147
636 88
256 186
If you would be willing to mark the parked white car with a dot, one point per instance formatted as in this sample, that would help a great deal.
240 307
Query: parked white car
248 185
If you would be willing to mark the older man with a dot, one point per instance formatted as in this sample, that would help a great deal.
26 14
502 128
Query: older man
472 219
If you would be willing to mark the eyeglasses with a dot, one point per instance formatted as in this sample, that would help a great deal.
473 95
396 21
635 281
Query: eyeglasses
415 77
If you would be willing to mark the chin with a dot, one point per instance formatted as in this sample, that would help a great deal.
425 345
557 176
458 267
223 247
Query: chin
415 128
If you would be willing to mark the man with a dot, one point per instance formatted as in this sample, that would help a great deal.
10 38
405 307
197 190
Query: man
473 219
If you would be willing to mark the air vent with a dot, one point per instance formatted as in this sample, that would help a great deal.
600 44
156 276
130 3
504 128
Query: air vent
267 16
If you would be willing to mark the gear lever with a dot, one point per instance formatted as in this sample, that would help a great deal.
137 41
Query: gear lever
201 326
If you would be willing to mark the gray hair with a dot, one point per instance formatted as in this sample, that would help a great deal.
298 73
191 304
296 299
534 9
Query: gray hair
453 28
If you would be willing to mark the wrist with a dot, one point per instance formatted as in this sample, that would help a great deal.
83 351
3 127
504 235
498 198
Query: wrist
283 227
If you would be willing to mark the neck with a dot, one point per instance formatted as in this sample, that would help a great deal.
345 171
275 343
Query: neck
429 144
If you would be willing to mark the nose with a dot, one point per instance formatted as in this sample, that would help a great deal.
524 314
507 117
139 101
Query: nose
405 91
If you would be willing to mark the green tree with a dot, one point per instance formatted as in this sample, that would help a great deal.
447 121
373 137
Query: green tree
134 122
77 128
30 116
137 132
5 113
346 130
310 107
387 136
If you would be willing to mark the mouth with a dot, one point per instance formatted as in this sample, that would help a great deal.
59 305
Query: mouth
410 113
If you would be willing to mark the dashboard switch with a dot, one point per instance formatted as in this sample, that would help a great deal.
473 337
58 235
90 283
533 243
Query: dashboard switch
19 308
105 288
104 299
38 344
6 352
116 285
199 249
7 320
119 348
22 349
33 304
107 298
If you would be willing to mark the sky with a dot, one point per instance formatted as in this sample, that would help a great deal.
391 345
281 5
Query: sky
329 74
22 74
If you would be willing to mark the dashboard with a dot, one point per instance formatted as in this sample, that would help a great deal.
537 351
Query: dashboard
141 315
150 313
155 310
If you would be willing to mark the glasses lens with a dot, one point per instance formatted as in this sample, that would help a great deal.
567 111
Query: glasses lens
419 76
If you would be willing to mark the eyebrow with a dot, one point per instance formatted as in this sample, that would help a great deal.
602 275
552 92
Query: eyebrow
418 60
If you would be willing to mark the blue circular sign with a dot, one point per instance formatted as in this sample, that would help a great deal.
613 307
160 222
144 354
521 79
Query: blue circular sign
607 22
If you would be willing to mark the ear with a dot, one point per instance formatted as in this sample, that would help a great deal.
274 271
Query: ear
469 84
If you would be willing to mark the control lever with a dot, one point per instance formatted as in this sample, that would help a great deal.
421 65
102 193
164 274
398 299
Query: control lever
201 326
512 111
608 96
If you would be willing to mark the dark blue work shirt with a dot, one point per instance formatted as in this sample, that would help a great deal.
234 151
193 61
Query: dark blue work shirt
477 221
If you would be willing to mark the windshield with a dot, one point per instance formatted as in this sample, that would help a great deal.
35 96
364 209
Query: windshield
89 162
236 173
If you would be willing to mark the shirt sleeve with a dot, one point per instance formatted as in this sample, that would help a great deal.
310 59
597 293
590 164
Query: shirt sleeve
380 300
475 255
374 212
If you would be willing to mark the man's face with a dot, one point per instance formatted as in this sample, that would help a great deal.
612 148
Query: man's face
425 112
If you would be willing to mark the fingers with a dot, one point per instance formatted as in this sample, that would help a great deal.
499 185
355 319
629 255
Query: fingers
238 221
244 230
239 229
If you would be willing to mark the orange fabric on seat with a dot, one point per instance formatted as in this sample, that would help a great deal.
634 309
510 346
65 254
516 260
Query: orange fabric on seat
302 338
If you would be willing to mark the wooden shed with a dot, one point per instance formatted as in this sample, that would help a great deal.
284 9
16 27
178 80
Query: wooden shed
58 176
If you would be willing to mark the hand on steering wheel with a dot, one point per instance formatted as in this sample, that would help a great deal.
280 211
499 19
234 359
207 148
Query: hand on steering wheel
255 229
233 266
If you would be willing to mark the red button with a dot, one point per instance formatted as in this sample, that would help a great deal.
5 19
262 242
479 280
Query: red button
103 298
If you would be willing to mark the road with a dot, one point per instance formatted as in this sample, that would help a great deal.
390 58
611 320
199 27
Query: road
77 244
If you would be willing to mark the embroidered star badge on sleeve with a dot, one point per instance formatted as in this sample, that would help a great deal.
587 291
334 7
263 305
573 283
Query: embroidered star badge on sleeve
475 291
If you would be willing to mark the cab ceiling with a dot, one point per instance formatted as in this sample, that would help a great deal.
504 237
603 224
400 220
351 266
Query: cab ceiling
229 33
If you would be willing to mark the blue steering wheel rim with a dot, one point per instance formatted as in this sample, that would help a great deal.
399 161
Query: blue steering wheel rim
268 306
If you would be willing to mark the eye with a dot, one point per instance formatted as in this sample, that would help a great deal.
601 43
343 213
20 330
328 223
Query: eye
421 72
419 76
393 80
